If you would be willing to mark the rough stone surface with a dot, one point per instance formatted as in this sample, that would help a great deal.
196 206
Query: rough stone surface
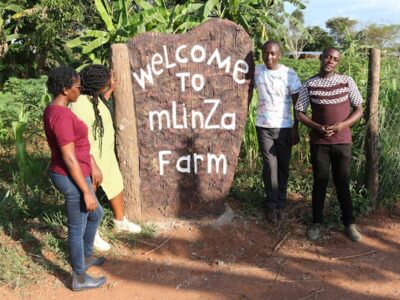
179 193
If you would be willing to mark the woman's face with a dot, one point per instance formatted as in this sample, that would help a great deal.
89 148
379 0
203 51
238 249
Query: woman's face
75 90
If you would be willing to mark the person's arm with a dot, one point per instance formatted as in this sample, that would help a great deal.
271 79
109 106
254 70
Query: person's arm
95 174
322 129
295 87
295 128
356 102
68 155
113 84
301 108
354 116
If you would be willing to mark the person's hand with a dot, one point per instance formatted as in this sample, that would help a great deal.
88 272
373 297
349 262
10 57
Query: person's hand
97 176
295 135
337 127
90 201
325 130
113 80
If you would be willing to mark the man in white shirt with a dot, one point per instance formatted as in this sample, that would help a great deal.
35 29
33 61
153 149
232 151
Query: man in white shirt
278 87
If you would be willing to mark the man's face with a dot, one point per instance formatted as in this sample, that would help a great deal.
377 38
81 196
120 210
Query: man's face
271 56
330 60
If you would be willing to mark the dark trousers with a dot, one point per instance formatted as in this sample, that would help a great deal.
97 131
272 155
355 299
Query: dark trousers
323 157
275 148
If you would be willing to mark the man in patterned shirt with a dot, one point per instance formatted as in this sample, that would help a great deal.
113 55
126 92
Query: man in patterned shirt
278 88
330 96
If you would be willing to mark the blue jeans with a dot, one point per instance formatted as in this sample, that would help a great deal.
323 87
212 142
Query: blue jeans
82 225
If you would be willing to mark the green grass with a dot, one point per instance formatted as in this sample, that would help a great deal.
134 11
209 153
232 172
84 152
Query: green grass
33 224
16 267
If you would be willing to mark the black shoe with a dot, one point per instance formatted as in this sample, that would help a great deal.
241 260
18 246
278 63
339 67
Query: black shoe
282 214
91 261
83 281
271 215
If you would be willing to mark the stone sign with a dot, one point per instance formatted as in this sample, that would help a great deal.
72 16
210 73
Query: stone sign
191 93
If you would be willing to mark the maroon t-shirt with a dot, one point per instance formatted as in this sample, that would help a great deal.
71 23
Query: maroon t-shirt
63 127
330 99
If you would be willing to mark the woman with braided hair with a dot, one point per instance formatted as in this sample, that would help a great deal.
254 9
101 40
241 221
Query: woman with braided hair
97 85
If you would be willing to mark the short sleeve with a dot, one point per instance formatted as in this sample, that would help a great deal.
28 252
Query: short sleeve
294 83
257 73
63 129
304 99
354 93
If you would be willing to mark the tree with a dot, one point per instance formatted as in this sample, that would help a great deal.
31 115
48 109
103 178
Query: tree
257 17
34 34
297 36
125 18
290 31
381 36
340 27
321 39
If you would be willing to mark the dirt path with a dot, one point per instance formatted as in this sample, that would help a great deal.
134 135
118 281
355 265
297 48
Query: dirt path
246 259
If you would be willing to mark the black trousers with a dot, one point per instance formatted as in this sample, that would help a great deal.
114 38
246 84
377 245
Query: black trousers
275 148
323 157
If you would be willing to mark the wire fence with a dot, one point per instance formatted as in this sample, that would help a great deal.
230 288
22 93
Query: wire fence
389 153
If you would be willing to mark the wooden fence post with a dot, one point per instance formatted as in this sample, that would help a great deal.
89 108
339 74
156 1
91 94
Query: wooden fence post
372 118
126 132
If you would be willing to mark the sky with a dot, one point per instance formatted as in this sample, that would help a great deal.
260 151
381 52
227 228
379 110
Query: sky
365 11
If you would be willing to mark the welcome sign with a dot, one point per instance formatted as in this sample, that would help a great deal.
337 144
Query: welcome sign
191 94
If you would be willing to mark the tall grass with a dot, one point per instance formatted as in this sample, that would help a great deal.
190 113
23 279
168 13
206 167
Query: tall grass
250 141
21 106
389 131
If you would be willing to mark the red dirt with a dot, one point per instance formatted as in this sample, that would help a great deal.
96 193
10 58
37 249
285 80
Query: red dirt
246 259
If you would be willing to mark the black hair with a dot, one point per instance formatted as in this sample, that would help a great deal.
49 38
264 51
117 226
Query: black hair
60 78
93 79
329 48
271 42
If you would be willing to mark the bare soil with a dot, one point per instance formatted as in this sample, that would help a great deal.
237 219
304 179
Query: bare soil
243 258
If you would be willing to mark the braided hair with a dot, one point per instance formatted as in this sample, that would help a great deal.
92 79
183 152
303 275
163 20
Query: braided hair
93 80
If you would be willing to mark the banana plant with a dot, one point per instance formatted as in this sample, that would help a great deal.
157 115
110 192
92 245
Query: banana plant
119 19
123 19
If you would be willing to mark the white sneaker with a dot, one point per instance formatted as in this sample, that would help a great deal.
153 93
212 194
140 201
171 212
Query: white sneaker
99 244
126 225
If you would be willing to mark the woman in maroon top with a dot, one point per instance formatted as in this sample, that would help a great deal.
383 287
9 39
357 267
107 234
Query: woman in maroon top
67 137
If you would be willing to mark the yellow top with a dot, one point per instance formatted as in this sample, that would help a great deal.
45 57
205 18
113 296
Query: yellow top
106 160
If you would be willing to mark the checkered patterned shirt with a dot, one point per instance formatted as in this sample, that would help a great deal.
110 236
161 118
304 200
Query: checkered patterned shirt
332 90
330 100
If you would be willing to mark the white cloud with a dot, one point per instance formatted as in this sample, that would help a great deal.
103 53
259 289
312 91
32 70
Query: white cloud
365 11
